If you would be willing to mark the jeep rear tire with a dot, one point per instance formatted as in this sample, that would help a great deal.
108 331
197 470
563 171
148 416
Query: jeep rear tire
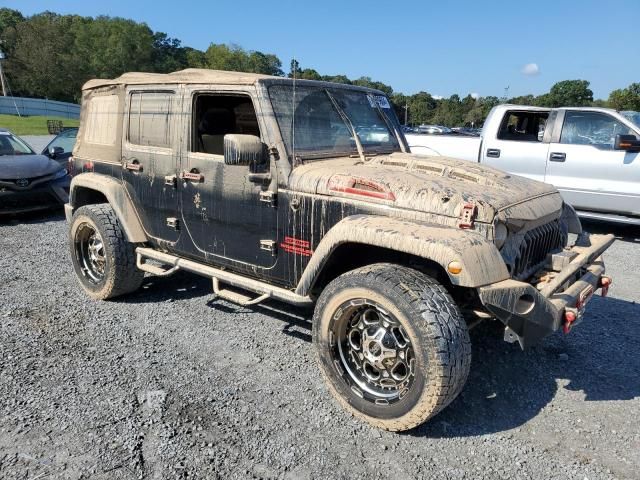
103 259
392 345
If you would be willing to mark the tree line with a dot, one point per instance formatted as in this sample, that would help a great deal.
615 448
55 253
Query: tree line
48 55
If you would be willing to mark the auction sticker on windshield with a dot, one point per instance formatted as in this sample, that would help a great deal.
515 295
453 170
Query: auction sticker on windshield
378 101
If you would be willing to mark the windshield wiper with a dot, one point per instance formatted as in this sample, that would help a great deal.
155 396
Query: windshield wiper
349 125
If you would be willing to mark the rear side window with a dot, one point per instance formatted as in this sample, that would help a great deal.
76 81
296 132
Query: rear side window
149 119
102 120
523 126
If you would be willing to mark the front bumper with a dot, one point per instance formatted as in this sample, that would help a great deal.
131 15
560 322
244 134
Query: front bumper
43 197
532 311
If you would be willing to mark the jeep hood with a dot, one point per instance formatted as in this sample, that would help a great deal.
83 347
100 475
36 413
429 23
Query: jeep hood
437 185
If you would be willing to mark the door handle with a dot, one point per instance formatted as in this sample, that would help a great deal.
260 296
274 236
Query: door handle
192 176
557 157
259 177
493 152
133 164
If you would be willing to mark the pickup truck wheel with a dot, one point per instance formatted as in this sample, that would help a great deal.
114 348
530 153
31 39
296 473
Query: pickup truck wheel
392 345
103 259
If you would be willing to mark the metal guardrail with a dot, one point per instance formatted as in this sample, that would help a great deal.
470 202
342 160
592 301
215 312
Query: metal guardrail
38 106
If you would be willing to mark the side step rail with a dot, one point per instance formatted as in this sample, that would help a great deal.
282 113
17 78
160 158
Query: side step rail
264 290
153 269
236 297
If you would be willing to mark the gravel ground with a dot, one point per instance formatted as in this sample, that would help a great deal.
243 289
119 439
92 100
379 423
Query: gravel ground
172 383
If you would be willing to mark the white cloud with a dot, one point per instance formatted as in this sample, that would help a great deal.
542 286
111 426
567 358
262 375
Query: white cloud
531 69
475 95
437 97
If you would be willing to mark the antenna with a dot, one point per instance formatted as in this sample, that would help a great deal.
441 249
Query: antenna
294 64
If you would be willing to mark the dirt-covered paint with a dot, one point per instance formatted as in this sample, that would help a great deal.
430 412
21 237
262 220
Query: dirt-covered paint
481 260
268 214
436 185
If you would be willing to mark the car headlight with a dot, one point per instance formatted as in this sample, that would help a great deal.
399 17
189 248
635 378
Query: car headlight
500 235
60 174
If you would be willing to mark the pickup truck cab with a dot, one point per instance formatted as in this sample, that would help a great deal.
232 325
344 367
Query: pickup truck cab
591 155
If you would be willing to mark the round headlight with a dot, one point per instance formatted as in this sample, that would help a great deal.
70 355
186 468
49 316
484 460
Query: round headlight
501 233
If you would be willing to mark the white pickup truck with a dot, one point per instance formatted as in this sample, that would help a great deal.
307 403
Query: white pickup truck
592 155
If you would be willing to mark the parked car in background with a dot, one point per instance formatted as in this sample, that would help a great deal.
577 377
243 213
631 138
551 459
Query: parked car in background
60 148
29 181
474 132
592 155
433 129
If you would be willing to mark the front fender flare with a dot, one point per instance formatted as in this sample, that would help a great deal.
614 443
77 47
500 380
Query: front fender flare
115 193
481 261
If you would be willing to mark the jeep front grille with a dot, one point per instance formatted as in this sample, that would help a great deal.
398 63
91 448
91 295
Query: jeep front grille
534 247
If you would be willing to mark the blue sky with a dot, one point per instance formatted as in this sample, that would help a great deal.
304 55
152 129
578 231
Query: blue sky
440 47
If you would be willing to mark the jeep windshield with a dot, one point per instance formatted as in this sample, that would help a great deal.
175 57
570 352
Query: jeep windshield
319 122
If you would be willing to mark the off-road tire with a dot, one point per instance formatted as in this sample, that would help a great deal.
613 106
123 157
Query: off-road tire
121 276
436 330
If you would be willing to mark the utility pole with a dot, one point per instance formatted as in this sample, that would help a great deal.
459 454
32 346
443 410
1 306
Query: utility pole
506 94
2 80
406 112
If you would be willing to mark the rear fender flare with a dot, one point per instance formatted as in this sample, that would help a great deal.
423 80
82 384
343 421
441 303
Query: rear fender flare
115 194
481 261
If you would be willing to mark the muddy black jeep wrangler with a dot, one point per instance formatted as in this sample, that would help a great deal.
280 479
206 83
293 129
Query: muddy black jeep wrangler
306 192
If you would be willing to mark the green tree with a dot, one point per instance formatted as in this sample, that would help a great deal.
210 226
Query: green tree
523 100
448 112
267 64
310 74
570 93
421 108
626 98
168 54
367 82
9 19
337 79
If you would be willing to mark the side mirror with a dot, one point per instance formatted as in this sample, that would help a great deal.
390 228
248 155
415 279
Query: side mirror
243 150
627 142
55 151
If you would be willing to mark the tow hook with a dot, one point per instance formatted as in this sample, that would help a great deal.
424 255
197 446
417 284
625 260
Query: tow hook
604 283
570 316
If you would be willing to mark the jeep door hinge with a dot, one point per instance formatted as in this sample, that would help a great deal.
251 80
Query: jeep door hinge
171 181
173 222
269 197
270 246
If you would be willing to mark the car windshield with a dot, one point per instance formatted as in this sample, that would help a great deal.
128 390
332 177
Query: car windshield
10 145
318 121
633 116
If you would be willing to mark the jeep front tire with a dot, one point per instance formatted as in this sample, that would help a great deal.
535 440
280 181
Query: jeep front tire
103 259
392 345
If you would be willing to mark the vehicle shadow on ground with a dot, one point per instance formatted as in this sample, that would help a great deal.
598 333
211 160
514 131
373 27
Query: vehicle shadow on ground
297 320
179 286
624 233
41 216
508 387
185 285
